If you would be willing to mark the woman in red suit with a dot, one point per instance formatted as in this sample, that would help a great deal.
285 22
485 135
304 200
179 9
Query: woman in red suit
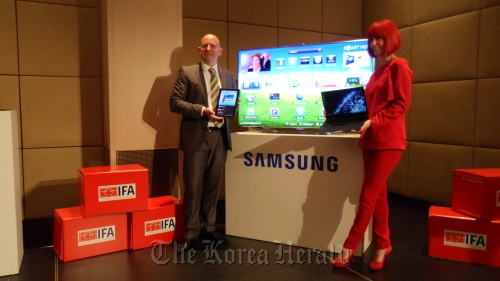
383 139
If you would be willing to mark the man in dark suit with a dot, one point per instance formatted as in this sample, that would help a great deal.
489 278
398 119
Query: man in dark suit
202 139
266 62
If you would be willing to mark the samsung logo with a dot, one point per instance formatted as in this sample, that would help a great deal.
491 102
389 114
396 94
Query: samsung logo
291 161
355 47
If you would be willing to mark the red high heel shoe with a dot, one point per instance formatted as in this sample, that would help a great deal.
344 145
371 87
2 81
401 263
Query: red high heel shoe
377 265
339 262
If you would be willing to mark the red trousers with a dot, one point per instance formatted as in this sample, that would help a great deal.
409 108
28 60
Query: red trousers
378 165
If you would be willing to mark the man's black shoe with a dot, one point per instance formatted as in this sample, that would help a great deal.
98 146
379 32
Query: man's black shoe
214 236
186 245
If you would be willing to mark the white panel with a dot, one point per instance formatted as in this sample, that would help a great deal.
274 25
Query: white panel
11 232
294 201
142 61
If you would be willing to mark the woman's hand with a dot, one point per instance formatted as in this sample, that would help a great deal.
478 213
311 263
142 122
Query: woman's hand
366 125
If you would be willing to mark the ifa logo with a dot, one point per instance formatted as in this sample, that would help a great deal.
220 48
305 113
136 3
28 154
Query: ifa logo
96 235
116 192
159 226
465 240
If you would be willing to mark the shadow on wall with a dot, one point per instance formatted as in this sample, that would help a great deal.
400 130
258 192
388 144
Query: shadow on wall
157 114
46 196
40 204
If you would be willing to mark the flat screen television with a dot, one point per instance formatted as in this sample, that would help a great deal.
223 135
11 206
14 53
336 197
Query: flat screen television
281 87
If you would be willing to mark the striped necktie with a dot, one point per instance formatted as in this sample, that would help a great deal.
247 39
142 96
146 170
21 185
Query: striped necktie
214 86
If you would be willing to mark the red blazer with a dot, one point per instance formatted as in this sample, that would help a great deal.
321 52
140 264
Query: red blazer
388 96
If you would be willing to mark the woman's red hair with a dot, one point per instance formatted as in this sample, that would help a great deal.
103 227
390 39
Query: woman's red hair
387 30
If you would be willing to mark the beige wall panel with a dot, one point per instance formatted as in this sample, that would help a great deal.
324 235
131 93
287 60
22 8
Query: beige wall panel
194 30
488 113
60 111
51 178
245 37
259 12
81 3
486 158
290 37
143 44
58 40
8 42
9 98
398 181
443 112
489 3
300 14
446 49
156 112
91 111
405 49
210 10
399 11
430 170
343 17
429 10
489 40
335 37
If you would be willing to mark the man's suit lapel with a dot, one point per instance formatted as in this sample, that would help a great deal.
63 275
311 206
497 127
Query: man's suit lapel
222 78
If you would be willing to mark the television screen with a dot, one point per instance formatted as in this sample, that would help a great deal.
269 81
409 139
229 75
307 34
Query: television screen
281 87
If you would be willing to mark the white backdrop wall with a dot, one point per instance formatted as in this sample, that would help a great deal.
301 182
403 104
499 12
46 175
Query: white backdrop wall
141 55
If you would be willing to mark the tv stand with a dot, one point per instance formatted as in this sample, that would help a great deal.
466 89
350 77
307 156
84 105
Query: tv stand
305 131
295 188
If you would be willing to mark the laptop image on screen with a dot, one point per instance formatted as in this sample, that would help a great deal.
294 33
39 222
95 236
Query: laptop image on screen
345 110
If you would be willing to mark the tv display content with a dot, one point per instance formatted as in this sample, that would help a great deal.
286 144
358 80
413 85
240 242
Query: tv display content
281 87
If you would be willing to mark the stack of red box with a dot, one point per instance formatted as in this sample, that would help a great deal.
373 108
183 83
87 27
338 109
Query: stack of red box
115 214
469 231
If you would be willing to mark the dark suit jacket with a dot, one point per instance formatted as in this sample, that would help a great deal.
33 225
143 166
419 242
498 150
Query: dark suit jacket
266 66
188 98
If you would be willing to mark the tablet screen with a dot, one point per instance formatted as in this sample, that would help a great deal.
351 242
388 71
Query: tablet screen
228 102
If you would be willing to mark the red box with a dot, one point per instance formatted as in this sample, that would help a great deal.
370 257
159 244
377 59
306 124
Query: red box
113 189
458 237
476 193
163 222
76 237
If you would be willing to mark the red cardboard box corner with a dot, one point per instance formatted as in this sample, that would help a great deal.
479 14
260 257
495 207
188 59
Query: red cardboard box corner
476 193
